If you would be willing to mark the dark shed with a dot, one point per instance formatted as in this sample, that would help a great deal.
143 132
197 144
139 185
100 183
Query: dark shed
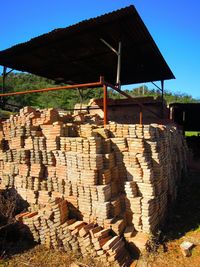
186 115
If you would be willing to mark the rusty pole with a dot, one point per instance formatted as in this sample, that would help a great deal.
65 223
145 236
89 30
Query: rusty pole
105 104
141 116
85 85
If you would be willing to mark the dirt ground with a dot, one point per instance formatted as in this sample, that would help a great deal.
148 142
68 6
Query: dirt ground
183 225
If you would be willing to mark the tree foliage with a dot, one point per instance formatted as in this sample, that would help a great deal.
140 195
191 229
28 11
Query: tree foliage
168 96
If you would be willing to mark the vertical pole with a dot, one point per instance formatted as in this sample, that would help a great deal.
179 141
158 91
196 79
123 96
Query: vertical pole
183 122
101 80
80 98
162 88
105 105
141 116
3 79
3 84
118 82
171 113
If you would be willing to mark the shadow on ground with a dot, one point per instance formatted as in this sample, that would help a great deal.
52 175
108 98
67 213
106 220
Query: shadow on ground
15 237
185 215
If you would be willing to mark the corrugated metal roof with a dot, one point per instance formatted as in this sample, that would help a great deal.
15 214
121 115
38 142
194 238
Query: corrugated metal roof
77 54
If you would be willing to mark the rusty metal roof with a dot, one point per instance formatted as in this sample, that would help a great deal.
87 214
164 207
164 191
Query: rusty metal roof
77 54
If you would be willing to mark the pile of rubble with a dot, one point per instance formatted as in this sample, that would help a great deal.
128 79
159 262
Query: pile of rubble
121 178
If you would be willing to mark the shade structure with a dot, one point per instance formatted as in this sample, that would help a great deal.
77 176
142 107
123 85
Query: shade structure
77 54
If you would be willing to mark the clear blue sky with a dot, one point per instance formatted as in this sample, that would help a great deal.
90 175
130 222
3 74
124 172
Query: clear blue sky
174 25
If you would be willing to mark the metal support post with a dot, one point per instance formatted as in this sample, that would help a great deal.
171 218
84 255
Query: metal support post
162 89
118 82
141 116
67 87
80 91
105 105
2 101
3 79
118 53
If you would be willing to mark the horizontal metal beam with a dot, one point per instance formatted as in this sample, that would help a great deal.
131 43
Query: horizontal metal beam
101 83
66 87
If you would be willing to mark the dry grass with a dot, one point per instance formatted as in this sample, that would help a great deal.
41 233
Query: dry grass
40 256
173 256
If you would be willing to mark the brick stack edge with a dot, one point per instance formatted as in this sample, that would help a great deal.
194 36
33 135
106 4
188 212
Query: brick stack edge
87 186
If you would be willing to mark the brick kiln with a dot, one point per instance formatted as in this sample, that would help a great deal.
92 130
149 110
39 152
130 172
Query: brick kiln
89 186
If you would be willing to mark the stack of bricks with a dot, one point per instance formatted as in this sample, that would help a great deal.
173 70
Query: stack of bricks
50 158
52 227
154 162
117 177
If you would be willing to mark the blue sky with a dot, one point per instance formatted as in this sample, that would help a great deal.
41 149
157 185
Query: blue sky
174 25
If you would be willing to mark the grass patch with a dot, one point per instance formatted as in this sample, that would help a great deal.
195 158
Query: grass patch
191 133
197 229
5 113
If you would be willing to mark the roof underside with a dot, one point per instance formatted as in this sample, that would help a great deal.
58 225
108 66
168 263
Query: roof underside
76 54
